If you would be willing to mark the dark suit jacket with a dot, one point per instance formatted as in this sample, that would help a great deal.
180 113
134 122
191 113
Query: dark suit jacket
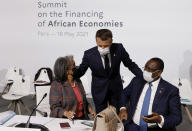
166 102
63 98
101 81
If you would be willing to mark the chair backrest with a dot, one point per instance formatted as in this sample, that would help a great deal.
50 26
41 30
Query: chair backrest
21 86
185 90
44 74
44 106
12 73
3 82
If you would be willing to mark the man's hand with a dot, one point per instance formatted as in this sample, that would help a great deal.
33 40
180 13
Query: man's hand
154 119
75 71
92 112
123 114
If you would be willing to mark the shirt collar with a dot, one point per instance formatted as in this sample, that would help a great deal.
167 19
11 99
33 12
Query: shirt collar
156 83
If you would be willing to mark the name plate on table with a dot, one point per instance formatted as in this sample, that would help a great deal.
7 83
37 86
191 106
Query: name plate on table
186 101
2 128
6 116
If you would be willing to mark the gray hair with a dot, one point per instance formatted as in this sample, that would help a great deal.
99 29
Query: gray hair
60 69
69 58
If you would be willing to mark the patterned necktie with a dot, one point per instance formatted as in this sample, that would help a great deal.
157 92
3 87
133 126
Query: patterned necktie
107 68
145 108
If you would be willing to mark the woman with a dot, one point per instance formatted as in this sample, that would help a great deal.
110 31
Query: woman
67 95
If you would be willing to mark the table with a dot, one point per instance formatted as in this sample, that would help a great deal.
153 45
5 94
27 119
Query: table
2 128
185 92
51 123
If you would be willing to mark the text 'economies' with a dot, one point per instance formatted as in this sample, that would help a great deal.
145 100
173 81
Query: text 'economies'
81 23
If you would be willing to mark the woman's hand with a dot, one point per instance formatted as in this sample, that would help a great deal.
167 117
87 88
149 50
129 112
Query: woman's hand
69 114
92 112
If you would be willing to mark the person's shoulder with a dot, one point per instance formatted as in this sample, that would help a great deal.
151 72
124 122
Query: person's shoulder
117 44
138 80
91 50
55 83
169 86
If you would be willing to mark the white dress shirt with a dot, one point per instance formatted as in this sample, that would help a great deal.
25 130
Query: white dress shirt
103 60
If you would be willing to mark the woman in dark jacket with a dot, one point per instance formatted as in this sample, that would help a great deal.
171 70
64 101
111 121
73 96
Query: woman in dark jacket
67 95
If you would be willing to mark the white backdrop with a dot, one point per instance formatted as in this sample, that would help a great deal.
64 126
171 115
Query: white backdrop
148 29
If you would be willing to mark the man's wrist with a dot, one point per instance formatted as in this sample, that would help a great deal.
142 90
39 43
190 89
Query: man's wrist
159 119
122 108
161 122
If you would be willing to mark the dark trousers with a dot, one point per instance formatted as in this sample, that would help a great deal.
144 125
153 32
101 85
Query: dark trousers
111 98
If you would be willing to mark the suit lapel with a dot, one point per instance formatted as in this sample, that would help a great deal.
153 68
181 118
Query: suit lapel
158 95
139 92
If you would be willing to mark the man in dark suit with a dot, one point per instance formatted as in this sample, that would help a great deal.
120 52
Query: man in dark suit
104 61
151 96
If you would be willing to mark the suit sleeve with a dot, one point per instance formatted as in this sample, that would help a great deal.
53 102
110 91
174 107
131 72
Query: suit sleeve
126 93
132 66
80 71
55 101
174 117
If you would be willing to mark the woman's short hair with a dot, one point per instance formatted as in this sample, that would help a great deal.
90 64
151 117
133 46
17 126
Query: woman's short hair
69 58
60 69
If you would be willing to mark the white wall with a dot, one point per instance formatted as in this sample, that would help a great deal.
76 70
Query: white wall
151 28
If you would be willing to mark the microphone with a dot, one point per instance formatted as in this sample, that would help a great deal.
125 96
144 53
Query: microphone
28 122
32 125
